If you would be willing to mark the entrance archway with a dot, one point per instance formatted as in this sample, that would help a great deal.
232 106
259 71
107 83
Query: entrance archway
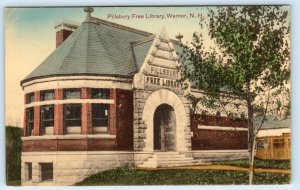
164 123
182 138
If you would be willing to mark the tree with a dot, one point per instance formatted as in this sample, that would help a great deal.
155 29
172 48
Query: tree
250 57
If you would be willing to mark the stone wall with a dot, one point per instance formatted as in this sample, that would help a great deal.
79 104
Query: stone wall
218 139
72 167
145 104
219 155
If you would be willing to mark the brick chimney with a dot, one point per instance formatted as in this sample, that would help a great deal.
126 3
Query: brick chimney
63 30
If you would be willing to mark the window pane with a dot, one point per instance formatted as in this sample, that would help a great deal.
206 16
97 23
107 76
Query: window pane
29 98
29 171
72 94
262 144
278 143
100 115
30 120
100 93
72 115
47 95
47 116
47 171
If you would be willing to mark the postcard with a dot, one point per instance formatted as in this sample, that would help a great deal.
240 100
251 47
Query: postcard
191 95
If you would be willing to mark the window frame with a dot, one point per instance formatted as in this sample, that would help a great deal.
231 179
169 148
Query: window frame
100 93
102 110
29 121
29 98
45 173
65 91
28 171
42 116
76 119
42 95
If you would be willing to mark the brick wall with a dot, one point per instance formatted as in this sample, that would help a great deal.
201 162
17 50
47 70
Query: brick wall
61 36
69 145
217 139
86 114
112 120
58 113
120 124
25 120
37 126
124 116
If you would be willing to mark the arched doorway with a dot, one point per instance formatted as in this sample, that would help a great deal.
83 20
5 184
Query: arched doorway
181 110
164 123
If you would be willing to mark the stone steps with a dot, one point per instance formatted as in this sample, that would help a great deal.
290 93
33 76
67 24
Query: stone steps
169 159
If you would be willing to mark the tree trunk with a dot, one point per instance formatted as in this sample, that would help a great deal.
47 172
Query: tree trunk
251 135
251 161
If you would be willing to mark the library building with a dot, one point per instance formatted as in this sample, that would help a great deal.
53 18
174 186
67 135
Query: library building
108 97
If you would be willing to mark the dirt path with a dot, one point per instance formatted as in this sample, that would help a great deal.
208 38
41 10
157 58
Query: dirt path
224 167
234 168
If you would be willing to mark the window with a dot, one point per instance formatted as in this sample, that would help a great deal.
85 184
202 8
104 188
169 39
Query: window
262 144
47 95
28 166
100 93
72 93
100 117
72 115
278 143
47 118
47 171
30 121
29 98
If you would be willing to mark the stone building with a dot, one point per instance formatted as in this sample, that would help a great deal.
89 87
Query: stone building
108 97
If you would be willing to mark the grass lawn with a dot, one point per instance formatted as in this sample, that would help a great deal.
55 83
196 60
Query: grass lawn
180 177
274 164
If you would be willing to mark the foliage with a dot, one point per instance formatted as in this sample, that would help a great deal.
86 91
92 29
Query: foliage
13 155
251 45
258 163
179 177
250 56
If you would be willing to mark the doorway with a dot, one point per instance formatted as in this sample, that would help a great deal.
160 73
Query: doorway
164 123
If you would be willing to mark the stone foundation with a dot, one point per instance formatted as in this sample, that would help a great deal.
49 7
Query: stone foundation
72 167
219 155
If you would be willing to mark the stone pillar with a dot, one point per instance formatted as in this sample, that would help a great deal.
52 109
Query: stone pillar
36 173
112 119
37 125
24 172
86 113
58 113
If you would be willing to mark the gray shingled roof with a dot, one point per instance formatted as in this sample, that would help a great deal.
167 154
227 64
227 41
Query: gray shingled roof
94 49
272 122
97 47
140 51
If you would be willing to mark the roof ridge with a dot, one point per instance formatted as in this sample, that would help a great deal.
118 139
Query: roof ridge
64 64
142 40
123 27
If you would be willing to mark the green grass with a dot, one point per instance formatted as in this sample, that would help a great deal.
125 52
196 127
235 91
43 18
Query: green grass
180 177
273 164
